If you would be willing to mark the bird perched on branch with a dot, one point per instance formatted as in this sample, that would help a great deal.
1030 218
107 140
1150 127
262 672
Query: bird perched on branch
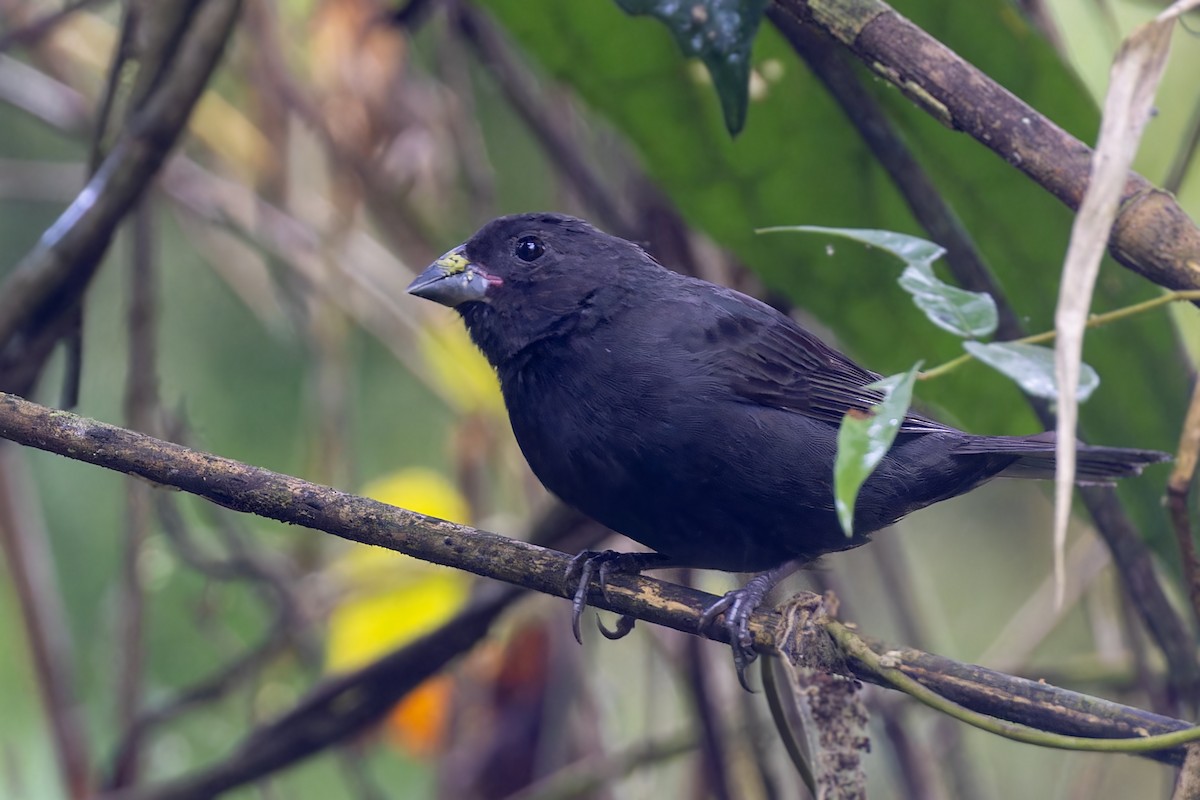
692 418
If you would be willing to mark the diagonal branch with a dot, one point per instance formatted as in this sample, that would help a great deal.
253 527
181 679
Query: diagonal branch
249 489
337 709
32 31
1152 235
832 67
51 279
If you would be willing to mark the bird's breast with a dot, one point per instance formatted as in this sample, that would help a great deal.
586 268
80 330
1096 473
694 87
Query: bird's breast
594 419
655 450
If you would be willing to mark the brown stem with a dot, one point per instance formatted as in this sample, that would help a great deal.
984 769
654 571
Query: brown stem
1152 235
255 490
35 30
141 407
30 565
488 42
966 99
1179 488
337 708
834 69
48 283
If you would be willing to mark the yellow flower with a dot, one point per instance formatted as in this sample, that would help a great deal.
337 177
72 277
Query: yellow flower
390 599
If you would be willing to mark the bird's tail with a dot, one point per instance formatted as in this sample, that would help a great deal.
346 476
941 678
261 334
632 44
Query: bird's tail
1035 458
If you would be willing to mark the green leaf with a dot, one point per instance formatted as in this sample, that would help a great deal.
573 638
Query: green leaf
798 159
909 249
718 32
1031 366
967 314
863 441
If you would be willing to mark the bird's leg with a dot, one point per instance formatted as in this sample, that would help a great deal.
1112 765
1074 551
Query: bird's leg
603 564
737 606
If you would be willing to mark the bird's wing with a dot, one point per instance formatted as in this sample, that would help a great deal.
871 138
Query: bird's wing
766 358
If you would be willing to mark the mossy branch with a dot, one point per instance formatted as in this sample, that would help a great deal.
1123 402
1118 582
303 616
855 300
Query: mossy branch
816 639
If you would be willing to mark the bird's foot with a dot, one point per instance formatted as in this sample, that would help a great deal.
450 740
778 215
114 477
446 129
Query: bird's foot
736 607
602 565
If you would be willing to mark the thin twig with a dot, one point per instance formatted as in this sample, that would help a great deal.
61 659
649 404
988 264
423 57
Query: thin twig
888 667
1179 489
923 199
30 566
1182 163
1132 557
1152 236
526 99
404 223
141 413
34 31
587 777
338 708
832 67
894 716
714 761
50 280
1094 321
281 630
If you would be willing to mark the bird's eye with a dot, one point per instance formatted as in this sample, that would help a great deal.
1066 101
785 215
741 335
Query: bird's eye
529 248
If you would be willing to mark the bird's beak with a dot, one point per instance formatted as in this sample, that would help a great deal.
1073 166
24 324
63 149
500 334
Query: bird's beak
452 280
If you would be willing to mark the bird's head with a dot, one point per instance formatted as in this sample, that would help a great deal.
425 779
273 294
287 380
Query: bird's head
526 276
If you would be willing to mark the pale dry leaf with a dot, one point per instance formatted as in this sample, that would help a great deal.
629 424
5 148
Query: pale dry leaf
1133 81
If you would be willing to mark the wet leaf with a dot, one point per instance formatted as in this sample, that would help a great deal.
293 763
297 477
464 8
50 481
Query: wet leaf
718 32
909 249
967 314
864 439
1031 366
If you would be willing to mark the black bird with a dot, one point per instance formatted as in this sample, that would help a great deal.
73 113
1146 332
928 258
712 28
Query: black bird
692 418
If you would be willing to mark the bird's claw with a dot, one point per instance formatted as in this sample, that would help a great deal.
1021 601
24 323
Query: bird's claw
736 607
602 565
624 626
579 574
580 571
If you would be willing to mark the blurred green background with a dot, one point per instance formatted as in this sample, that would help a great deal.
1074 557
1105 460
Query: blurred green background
285 342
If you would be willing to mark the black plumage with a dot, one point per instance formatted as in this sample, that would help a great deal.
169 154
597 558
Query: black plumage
691 417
